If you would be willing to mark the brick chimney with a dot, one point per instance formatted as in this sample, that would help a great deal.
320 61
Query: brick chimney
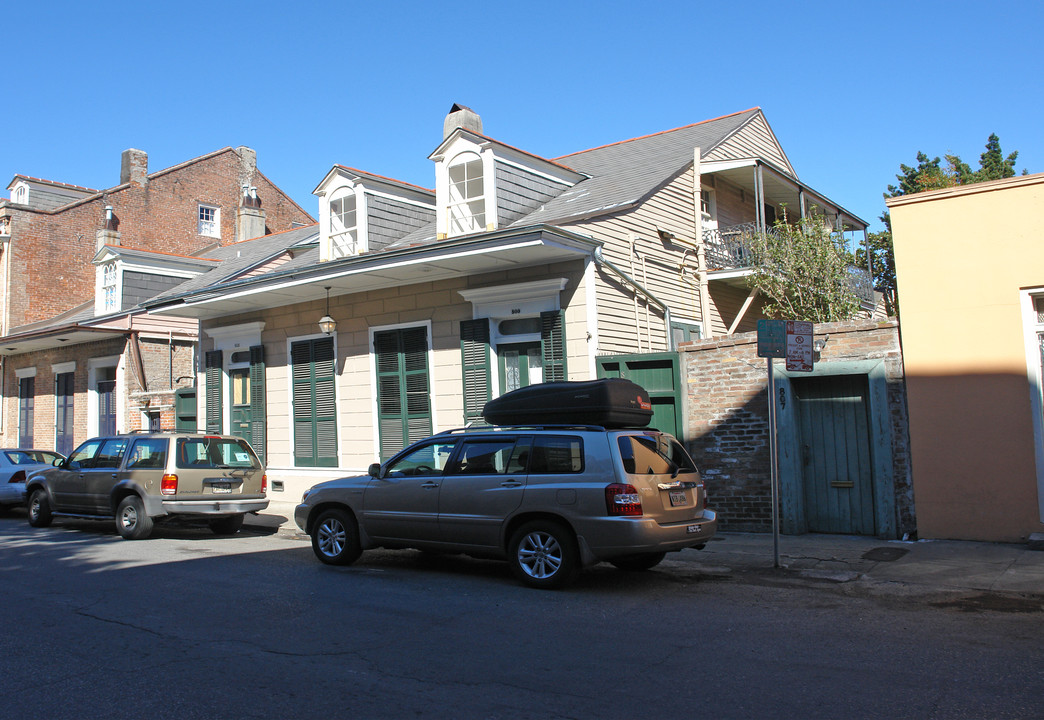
250 218
134 168
461 117
110 233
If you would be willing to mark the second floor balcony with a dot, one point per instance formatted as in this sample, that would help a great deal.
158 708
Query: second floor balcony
731 248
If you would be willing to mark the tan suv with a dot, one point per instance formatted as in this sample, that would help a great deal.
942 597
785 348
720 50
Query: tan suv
547 498
143 478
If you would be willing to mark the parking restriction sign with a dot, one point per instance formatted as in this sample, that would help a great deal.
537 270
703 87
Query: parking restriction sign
799 345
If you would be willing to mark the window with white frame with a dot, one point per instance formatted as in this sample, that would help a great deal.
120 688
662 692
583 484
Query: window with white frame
209 221
20 194
467 203
110 299
344 232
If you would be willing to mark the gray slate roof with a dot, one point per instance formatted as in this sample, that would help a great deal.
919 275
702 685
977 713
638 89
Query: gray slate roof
620 174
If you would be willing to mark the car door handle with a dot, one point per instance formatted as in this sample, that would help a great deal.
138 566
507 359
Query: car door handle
511 483
429 485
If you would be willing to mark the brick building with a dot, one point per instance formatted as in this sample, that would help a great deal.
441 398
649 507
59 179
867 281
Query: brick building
79 357
844 457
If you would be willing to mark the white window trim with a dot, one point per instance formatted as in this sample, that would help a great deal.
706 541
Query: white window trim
215 223
93 366
1033 375
338 374
26 372
65 367
374 416
362 243
20 193
449 157
100 307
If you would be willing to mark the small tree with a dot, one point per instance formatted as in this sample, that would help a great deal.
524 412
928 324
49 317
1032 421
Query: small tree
803 270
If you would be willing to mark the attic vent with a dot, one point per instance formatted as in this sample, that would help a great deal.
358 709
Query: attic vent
461 117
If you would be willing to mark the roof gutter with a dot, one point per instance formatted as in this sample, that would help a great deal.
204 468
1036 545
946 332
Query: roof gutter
601 260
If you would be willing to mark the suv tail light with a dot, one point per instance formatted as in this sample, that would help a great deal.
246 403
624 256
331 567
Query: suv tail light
264 484
622 499
169 485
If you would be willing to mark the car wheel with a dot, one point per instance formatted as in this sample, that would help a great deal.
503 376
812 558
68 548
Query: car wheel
543 554
39 509
642 561
131 519
335 538
227 525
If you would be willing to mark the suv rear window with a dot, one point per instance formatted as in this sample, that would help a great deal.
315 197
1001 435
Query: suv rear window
653 455
554 454
148 454
212 452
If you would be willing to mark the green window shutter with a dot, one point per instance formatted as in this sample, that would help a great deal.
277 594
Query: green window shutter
474 352
213 363
403 397
315 406
553 346
258 430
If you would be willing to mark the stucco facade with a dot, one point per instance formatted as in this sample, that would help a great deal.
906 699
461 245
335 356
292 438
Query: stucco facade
970 270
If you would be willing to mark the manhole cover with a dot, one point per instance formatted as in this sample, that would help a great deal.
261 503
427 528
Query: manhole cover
884 554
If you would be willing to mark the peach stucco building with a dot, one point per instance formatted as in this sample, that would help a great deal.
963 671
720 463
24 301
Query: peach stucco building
970 270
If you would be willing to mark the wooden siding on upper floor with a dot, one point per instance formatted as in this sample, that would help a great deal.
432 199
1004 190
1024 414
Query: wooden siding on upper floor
268 266
627 323
755 139
520 192
388 220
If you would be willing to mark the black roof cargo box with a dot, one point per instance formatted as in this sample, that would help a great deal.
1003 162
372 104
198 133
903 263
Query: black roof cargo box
609 402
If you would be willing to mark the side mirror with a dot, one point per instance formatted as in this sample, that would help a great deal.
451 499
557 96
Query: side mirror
374 470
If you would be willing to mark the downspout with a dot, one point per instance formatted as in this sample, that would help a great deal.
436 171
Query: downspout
600 259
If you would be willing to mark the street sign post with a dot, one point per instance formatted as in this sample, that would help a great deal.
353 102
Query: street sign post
792 340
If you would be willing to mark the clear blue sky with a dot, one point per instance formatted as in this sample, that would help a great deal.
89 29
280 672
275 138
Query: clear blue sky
851 89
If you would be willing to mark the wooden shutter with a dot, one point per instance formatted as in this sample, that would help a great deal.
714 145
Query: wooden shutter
403 397
214 375
553 346
258 417
474 352
315 406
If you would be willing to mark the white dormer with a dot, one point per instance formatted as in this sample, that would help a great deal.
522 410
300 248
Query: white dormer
125 276
482 184
20 192
354 216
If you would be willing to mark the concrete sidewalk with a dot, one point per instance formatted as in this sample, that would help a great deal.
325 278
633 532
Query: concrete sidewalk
924 566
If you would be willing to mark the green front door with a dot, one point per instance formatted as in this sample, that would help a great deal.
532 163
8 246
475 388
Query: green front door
834 453
242 415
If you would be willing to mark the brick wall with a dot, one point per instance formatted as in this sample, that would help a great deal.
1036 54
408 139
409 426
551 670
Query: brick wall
50 251
157 397
726 387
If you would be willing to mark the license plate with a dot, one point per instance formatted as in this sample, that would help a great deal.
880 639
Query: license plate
678 498
694 529
221 487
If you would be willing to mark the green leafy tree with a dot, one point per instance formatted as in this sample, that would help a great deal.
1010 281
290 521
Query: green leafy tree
928 174
803 270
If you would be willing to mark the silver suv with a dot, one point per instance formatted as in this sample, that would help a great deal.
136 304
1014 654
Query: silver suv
143 478
549 499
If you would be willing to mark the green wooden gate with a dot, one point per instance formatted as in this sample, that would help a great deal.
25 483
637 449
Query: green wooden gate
659 374
837 472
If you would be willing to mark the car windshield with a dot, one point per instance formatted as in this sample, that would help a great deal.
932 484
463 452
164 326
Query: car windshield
215 452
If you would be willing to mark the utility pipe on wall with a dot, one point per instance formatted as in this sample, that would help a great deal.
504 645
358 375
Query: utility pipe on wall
601 260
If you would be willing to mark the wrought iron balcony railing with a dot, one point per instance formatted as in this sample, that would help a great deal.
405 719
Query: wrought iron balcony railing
730 248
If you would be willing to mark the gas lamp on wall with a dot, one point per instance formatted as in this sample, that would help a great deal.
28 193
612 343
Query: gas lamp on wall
326 323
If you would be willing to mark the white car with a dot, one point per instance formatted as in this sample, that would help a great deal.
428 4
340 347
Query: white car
15 466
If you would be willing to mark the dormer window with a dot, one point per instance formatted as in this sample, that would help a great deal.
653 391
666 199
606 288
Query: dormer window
20 194
344 224
110 302
467 202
